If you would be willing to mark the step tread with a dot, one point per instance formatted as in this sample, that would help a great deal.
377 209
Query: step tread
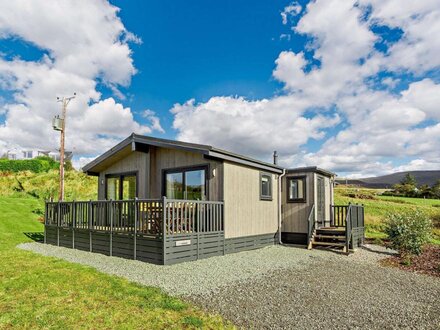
330 232
330 236
328 243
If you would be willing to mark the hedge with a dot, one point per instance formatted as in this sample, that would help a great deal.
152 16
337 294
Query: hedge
37 165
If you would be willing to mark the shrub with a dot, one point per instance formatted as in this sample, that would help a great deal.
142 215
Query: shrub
36 165
408 232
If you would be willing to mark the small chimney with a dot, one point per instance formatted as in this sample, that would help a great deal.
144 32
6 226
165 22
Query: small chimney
275 157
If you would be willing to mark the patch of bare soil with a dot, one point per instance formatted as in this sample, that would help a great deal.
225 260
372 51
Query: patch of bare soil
426 263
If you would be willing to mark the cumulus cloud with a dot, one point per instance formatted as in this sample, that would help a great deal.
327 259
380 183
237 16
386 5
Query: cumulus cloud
258 127
342 82
85 46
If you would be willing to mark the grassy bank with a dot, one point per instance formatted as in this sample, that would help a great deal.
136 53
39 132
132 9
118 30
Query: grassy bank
377 207
43 186
43 292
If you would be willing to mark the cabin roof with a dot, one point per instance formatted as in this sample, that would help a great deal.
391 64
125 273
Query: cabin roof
314 169
137 142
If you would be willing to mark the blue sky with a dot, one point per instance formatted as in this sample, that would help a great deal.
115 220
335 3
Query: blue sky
203 49
352 86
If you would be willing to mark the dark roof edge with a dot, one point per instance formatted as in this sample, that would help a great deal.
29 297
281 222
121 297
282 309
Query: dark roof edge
201 148
246 161
311 169
121 145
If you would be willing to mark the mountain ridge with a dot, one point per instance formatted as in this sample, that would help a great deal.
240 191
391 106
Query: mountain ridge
422 177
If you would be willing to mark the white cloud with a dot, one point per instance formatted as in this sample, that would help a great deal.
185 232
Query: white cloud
290 10
85 42
376 127
418 165
418 49
258 127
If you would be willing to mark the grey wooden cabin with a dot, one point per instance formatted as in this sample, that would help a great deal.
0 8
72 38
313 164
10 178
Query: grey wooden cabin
165 202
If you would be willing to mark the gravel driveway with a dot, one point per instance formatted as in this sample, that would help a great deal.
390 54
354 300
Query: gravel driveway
285 287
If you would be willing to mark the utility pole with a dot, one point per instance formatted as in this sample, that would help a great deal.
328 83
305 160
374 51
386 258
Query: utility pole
59 124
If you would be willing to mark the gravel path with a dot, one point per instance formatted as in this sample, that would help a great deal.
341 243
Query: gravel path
285 287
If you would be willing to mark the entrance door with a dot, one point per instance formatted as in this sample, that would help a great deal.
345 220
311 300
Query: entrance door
320 201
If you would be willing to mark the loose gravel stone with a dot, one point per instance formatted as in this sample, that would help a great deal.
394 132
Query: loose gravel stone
283 287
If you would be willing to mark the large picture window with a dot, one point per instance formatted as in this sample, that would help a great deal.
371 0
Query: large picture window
265 186
121 186
296 189
187 183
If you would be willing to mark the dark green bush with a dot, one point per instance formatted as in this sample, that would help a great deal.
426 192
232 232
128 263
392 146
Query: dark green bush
36 165
408 232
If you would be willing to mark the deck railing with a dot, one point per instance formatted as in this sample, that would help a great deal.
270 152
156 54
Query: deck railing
140 216
338 215
186 217
351 217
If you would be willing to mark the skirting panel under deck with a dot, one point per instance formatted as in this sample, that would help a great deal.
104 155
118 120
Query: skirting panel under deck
149 249
181 248
178 248
246 243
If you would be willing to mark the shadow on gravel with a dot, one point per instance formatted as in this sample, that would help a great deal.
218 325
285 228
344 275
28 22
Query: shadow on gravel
387 252
36 236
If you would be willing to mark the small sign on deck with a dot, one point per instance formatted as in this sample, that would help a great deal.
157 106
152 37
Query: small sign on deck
183 242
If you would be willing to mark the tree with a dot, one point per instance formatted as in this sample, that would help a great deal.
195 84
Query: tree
435 190
409 180
425 191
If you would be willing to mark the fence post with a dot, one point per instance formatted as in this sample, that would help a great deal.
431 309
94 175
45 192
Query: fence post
45 219
111 227
73 223
164 228
90 225
58 223
135 226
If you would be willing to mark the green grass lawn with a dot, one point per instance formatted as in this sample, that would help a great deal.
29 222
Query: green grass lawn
377 207
43 292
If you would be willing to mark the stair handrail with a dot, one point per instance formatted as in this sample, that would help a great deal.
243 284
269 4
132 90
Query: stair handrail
348 228
311 224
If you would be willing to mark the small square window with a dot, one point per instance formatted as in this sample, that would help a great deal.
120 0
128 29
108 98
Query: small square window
296 189
265 186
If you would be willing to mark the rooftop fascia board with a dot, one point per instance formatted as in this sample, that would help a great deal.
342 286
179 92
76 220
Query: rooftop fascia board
200 148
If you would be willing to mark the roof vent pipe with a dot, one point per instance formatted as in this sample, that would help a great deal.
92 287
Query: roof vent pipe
275 158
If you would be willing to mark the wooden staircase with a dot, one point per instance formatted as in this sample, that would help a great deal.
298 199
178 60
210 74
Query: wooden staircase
329 237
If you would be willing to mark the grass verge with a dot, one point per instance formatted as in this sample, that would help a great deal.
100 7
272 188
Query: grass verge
377 207
43 292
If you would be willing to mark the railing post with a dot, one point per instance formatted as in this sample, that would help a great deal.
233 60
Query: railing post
90 224
222 219
135 226
58 223
45 219
111 227
164 227
348 222
198 229
73 223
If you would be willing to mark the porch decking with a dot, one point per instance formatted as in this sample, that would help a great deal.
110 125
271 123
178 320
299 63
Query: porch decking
161 231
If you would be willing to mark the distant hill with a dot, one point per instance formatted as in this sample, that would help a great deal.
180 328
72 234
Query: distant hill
387 181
